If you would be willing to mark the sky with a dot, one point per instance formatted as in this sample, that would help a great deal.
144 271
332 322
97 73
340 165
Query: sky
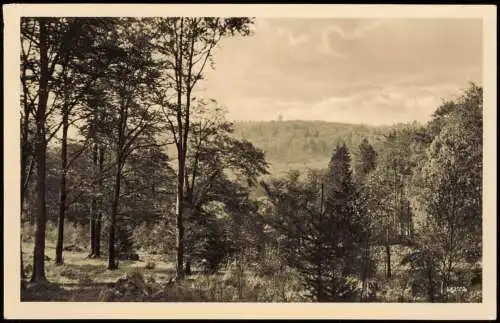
371 71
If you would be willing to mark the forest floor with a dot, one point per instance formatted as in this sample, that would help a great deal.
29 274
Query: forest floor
82 279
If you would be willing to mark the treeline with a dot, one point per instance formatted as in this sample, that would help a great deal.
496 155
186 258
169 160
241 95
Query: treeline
102 100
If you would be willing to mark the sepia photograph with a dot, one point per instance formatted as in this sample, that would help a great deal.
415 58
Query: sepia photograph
247 158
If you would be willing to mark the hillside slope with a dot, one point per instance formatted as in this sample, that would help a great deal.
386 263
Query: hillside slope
306 144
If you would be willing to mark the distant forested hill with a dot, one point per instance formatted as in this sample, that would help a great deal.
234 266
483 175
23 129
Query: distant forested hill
306 144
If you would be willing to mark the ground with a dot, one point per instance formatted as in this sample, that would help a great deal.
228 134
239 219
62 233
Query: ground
84 279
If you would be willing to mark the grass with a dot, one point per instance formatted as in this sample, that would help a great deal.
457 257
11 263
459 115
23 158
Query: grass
81 279
89 280
80 274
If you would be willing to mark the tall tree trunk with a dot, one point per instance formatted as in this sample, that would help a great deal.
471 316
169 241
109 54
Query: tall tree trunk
40 155
388 255
112 264
99 214
62 190
23 197
23 274
92 228
122 126
93 203
179 208
181 156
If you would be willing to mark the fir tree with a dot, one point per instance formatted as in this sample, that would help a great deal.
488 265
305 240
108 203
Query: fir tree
343 223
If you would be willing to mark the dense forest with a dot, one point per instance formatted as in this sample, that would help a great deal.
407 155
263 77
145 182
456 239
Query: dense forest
135 189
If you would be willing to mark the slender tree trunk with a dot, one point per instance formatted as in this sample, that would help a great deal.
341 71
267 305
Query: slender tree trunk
181 156
101 205
23 196
388 255
97 233
62 191
92 227
179 218
122 126
40 155
114 211
93 204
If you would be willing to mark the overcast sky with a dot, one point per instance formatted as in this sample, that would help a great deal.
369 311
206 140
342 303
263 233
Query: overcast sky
346 70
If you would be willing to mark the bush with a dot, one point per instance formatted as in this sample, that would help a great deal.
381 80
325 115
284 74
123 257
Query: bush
152 238
76 235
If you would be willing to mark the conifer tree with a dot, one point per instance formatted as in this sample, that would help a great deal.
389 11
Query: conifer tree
343 216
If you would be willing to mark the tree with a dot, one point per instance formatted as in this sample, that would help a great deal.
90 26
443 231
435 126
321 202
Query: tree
98 131
400 153
220 171
366 165
129 83
27 126
320 227
451 190
82 68
185 45
41 68
297 217
341 205
48 44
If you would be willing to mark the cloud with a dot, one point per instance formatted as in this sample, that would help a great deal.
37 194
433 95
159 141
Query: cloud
359 32
292 39
347 70
325 46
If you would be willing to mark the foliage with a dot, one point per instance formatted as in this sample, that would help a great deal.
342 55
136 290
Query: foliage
451 191
320 235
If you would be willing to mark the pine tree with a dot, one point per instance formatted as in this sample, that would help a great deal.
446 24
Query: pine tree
344 221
